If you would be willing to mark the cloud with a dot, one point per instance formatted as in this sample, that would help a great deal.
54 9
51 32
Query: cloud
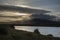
13 13
44 4
22 9
12 2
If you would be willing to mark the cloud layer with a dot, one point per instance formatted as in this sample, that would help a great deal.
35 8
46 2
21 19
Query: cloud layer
44 5
15 13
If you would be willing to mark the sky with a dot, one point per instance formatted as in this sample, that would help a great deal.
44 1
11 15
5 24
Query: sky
46 4
49 5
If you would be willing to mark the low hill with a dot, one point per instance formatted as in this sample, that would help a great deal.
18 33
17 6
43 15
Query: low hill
13 34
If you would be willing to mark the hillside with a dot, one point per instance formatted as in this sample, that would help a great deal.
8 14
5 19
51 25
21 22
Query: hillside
13 34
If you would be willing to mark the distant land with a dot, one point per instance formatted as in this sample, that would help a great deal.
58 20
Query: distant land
34 22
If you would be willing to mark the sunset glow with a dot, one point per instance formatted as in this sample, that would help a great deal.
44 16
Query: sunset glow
7 16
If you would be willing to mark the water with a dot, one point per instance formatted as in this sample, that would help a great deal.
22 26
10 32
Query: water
55 31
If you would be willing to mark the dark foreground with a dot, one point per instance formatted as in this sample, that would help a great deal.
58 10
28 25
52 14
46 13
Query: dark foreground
10 33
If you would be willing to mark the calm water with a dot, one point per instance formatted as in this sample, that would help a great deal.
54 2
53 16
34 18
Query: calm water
43 30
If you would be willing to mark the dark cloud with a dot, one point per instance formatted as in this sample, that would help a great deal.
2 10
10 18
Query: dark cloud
41 12
36 12
21 9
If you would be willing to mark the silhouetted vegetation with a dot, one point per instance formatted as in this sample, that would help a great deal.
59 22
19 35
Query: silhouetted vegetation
5 28
36 31
50 35
12 26
14 34
3 31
